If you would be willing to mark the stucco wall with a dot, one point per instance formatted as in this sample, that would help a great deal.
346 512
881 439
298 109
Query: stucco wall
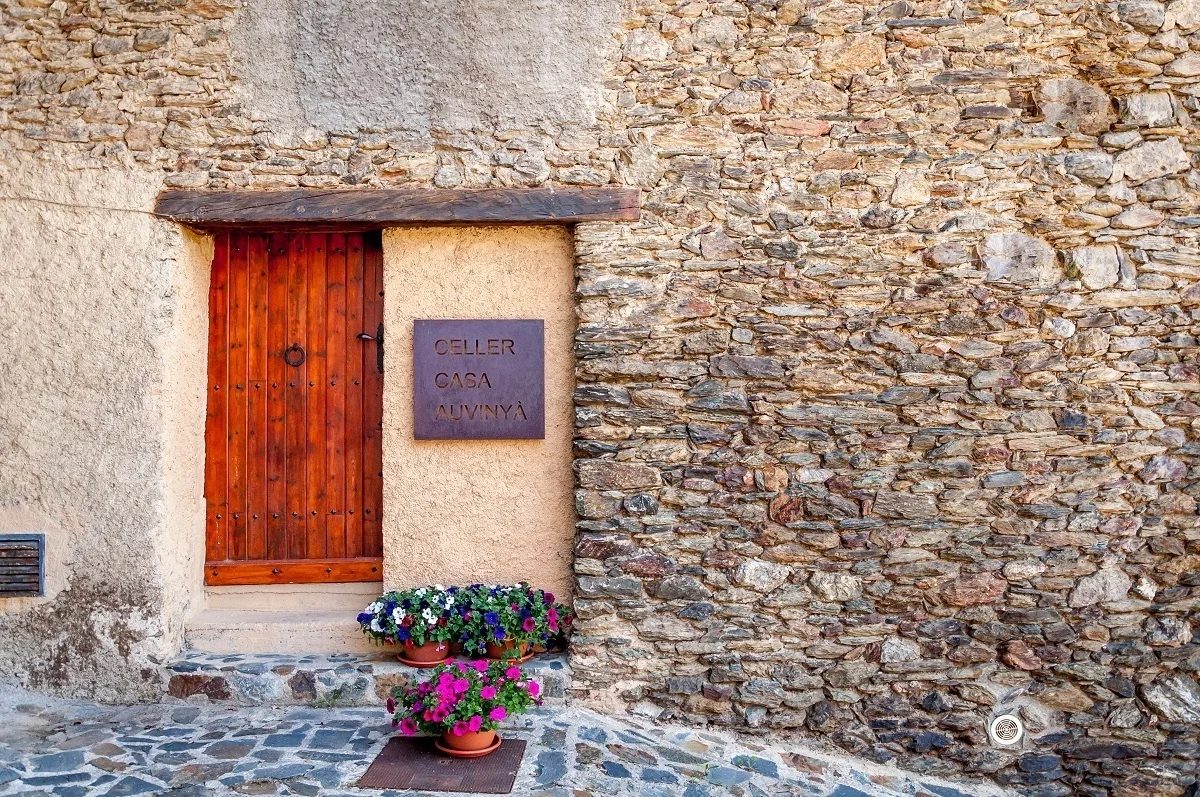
98 302
417 65
461 511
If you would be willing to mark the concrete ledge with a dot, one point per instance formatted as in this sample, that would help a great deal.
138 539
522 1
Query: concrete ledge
230 631
321 681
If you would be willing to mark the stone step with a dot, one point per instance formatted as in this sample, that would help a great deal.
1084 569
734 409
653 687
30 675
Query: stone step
351 596
322 681
229 631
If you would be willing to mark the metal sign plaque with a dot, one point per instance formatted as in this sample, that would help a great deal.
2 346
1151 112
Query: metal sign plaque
479 379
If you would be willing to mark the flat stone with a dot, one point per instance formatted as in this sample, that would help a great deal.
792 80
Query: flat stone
835 587
131 785
1019 258
58 762
904 506
761 576
615 770
1075 105
1153 159
726 776
56 780
1175 697
762 766
1099 267
1105 585
610 475
550 766
326 739
230 749
284 740
283 771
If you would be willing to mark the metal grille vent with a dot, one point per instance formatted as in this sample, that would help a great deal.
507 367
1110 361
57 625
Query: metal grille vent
22 565
1006 729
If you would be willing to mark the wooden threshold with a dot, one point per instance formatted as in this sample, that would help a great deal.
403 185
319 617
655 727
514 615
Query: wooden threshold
376 208
304 571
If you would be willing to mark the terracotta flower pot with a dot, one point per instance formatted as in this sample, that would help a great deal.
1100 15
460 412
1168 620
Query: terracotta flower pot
471 741
456 648
430 652
498 651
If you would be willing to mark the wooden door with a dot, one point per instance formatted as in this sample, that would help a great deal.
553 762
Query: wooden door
294 455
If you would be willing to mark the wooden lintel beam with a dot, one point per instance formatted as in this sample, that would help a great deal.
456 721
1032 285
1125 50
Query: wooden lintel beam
375 208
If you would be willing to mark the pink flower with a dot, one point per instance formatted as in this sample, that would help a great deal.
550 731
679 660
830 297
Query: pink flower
391 706
529 624
497 714
445 678
462 667
480 665
533 688
475 723
461 686
553 625
459 728
488 692
512 673
549 598
429 715
408 726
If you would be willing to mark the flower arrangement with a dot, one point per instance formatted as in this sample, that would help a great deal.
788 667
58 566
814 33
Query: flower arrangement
410 617
508 619
464 703
516 616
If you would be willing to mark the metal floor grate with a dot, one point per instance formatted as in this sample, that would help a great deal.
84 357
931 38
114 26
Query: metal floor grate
415 764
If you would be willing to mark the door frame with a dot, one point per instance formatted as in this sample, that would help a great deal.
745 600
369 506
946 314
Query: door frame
208 211
259 269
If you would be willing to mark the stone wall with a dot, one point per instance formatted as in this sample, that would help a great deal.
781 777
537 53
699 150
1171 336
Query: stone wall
886 408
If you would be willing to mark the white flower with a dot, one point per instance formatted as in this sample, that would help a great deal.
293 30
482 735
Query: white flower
397 615
439 587
375 626
374 607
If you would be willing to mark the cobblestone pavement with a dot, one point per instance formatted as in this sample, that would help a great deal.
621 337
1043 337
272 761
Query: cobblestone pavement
70 749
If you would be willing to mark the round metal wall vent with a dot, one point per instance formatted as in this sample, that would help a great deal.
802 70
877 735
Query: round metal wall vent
1006 729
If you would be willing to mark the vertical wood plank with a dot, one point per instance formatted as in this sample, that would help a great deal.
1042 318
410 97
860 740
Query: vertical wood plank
256 398
317 370
296 424
372 400
354 393
276 387
238 329
335 396
215 423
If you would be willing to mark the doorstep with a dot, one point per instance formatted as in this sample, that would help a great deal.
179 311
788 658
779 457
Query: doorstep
321 681
295 631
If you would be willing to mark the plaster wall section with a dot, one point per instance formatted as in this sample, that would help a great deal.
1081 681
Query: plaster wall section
462 511
391 65
93 294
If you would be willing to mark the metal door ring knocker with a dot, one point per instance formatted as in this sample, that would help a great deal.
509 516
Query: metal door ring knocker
294 355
